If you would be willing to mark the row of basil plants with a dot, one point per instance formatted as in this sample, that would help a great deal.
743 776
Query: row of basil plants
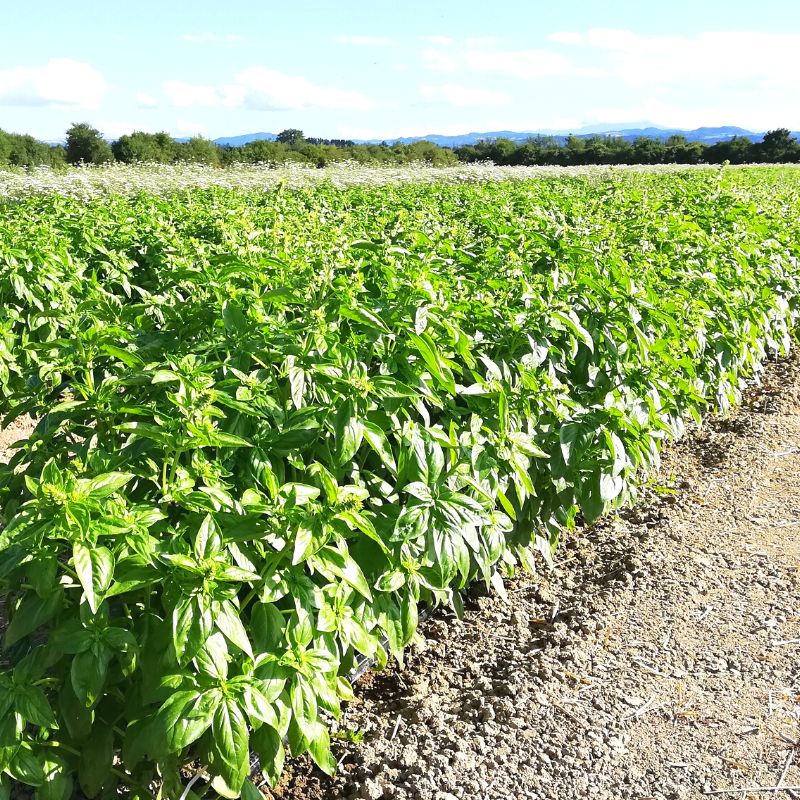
271 425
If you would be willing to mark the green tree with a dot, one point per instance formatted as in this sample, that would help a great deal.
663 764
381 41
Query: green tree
200 151
291 136
648 151
156 148
573 151
737 150
778 146
21 150
86 145
5 147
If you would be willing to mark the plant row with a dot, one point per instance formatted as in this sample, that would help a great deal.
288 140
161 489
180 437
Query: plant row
271 425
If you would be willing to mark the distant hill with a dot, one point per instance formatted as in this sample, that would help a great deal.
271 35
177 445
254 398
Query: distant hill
707 135
245 138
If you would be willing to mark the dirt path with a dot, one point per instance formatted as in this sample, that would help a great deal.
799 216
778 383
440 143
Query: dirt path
660 660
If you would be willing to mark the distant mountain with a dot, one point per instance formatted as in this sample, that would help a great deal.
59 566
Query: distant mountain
455 141
245 138
706 135
625 131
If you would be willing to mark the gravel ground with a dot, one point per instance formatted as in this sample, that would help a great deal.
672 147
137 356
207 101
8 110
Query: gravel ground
658 660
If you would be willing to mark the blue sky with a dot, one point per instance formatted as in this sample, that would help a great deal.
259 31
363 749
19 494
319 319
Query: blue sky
382 69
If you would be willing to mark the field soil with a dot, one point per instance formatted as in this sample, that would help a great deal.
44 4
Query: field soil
17 430
659 659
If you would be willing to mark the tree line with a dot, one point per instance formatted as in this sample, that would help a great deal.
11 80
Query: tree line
85 144
777 146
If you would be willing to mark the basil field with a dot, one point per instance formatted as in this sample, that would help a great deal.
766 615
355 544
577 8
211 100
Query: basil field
276 419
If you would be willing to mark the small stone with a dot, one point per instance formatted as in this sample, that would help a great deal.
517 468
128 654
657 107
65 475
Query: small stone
409 757
371 789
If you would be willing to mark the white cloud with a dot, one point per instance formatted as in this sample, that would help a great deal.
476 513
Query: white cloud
60 82
464 96
270 90
712 57
437 41
482 41
144 100
566 37
380 134
753 113
183 94
526 64
365 41
113 128
437 61
212 38
264 89
190 127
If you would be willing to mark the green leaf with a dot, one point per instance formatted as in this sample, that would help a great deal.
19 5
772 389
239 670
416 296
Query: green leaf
360 314
185 716
391 581
257 705
207 541
343 566
227 620
230 743
95 569
304 706
590 498
377 440
105 485
281 295
31 702
186 628
357 521
571 322
32 612
212 656
349 432
27 766
57 784
233 317
88 673
73 713
268 745
426 347
319 748
96 760
222 439
128 358
250 792
299 493
611 486
297 384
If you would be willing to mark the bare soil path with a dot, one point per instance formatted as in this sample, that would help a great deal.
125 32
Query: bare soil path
660 659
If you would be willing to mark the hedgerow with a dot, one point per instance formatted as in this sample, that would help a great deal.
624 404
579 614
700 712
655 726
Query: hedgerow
273 424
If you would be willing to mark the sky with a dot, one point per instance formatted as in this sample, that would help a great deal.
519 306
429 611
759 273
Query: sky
362 70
